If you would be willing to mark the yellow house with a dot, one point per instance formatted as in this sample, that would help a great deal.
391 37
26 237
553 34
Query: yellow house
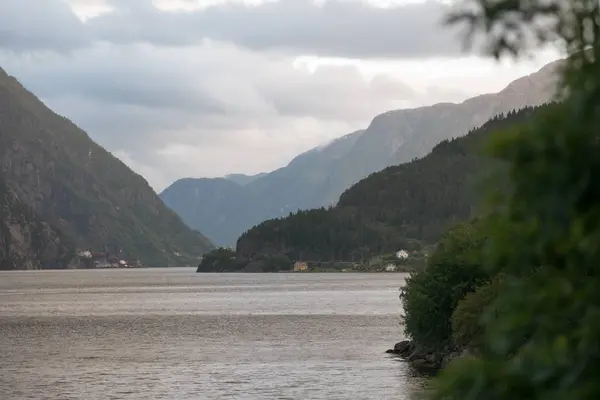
300 266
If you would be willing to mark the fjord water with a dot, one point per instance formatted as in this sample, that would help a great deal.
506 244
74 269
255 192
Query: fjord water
175 334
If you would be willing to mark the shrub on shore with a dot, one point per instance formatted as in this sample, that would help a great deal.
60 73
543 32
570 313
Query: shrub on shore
431 295
467 324
545 344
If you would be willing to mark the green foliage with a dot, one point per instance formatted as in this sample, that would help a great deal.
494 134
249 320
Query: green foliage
431 295
400 207
78 188
544 233
467 327
268 263
275 263
221 260
227 260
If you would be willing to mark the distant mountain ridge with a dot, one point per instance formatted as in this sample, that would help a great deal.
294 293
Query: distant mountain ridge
243 179
403 206
217 204
319 176
62 192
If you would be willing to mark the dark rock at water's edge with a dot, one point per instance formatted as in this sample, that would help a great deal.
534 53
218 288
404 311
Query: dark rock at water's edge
404 348
426 358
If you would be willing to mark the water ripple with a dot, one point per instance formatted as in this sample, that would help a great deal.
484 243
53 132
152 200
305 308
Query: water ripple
174 334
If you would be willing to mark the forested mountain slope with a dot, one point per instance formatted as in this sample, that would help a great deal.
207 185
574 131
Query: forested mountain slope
79 189
381 213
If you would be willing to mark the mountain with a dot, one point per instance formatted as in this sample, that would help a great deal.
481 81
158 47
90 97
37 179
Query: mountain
318 177
60 187
242 179
390 209
400 136
218 205
225 208
26 241
312 179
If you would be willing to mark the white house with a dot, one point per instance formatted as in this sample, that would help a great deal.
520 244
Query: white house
390 268
402 255
85 254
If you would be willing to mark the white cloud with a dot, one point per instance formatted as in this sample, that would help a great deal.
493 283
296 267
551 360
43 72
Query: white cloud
172 99
235 109
86 9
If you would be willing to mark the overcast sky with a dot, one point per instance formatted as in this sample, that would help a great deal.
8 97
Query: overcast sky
179 88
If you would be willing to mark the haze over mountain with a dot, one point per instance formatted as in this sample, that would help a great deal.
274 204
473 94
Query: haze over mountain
243 179
318 177
61 192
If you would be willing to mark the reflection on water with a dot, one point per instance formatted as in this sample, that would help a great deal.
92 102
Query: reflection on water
174 334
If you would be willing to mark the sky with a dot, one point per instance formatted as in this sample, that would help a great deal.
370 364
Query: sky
190 88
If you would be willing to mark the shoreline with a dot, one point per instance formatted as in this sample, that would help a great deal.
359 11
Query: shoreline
426 358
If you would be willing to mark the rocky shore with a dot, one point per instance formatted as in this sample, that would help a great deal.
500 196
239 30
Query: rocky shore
426 358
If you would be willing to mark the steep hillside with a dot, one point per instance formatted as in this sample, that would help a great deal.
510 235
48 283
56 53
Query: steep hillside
318 177
78 188
224 209
220 206
399 136
27 242
382 213
312 179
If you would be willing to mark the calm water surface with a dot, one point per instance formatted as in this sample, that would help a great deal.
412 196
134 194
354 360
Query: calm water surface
175 334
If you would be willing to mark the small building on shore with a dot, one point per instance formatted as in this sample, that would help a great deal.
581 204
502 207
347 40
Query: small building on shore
391 268
85 254
402 254
300 266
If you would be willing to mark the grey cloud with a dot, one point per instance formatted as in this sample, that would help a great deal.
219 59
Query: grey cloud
351 29
440 94
218 99
40 25
336 28
141 81
102 75
248 151
117 126
226 84
335 91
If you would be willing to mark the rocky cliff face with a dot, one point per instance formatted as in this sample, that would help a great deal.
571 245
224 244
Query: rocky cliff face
76 187
27 242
